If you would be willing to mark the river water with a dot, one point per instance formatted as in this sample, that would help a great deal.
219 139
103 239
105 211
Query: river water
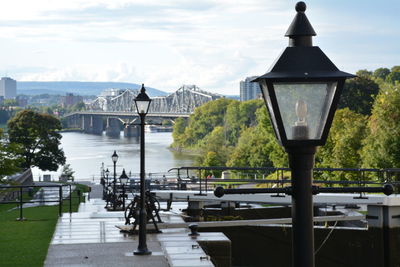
85 153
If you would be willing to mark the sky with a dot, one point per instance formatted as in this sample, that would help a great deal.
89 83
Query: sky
167 43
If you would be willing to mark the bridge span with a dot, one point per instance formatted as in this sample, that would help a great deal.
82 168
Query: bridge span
114 111
95 122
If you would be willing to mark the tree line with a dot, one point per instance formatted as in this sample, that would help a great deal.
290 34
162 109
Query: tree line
365 131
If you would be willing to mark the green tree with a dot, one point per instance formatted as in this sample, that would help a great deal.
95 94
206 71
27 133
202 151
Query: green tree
382 144
214 142
358 95
257 145
344 144
381 73
204 119
178 133
394 75
9 160
37 134
67 174
239 116
364 73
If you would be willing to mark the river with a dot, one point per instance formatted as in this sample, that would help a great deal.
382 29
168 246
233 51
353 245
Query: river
85 153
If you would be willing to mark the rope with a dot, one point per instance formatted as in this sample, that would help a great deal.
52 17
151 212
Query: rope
326 238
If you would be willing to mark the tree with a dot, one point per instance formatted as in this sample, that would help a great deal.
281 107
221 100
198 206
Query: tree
67 173
364 73
358 95
37 134
204 119
382 144
344 144
394 75
178 133
9 161
214 142
381 73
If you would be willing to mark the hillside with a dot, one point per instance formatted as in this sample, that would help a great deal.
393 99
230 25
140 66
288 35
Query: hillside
78 88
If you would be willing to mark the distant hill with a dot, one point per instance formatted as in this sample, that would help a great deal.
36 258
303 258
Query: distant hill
78 88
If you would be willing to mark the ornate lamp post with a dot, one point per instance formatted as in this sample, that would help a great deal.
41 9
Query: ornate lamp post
114 158
301 92
107 172
142 103
123 179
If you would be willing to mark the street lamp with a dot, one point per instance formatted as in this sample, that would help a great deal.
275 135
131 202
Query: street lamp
123 179
107 173
114 158
301 92
142 103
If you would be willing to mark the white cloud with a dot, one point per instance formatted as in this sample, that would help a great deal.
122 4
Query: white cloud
212 43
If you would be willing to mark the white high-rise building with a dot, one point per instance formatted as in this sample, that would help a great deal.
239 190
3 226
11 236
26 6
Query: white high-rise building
249 90
8 88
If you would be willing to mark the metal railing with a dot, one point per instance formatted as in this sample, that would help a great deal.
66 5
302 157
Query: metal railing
14 194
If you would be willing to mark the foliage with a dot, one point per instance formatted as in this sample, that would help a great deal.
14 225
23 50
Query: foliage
178 132
213 149
9 161
67 174
239 116
382 145
344 143
358 94
37 134
202 122
381 73
394 75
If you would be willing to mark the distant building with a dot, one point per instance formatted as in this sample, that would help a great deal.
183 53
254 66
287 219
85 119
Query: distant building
22 100
8 88
70 100
249 90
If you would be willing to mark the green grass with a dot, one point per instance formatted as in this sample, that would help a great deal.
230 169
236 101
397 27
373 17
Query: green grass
25 243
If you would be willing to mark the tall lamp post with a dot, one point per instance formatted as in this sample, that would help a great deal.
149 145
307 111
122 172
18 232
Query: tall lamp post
114 158
123 179
107 173
142 103
301 92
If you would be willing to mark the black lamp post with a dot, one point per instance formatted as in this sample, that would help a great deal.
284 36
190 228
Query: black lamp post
301 91
142 103
123 179
107 173
114 158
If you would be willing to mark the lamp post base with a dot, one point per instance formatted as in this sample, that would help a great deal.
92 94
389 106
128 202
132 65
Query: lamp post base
142 252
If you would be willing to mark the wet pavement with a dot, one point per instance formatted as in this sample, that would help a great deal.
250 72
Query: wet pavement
90 238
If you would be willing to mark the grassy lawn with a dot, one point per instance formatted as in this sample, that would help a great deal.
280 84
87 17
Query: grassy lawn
26 243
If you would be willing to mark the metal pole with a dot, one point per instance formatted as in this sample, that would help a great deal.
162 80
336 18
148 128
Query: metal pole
60 193
142 247
115 187
70 198
301 163
123 197
20 204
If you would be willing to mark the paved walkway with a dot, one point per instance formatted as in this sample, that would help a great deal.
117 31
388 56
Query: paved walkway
90 238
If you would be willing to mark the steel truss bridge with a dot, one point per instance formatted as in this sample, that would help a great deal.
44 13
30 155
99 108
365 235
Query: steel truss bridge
110 112
184 100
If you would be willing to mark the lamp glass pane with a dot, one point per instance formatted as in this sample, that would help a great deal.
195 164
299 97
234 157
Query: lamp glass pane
142 106
267 100
304 108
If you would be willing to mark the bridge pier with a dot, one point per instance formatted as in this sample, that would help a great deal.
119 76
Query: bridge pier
85 120
113 127
131 131
96 125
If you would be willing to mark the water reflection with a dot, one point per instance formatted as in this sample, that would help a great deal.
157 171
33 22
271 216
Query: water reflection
86 152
